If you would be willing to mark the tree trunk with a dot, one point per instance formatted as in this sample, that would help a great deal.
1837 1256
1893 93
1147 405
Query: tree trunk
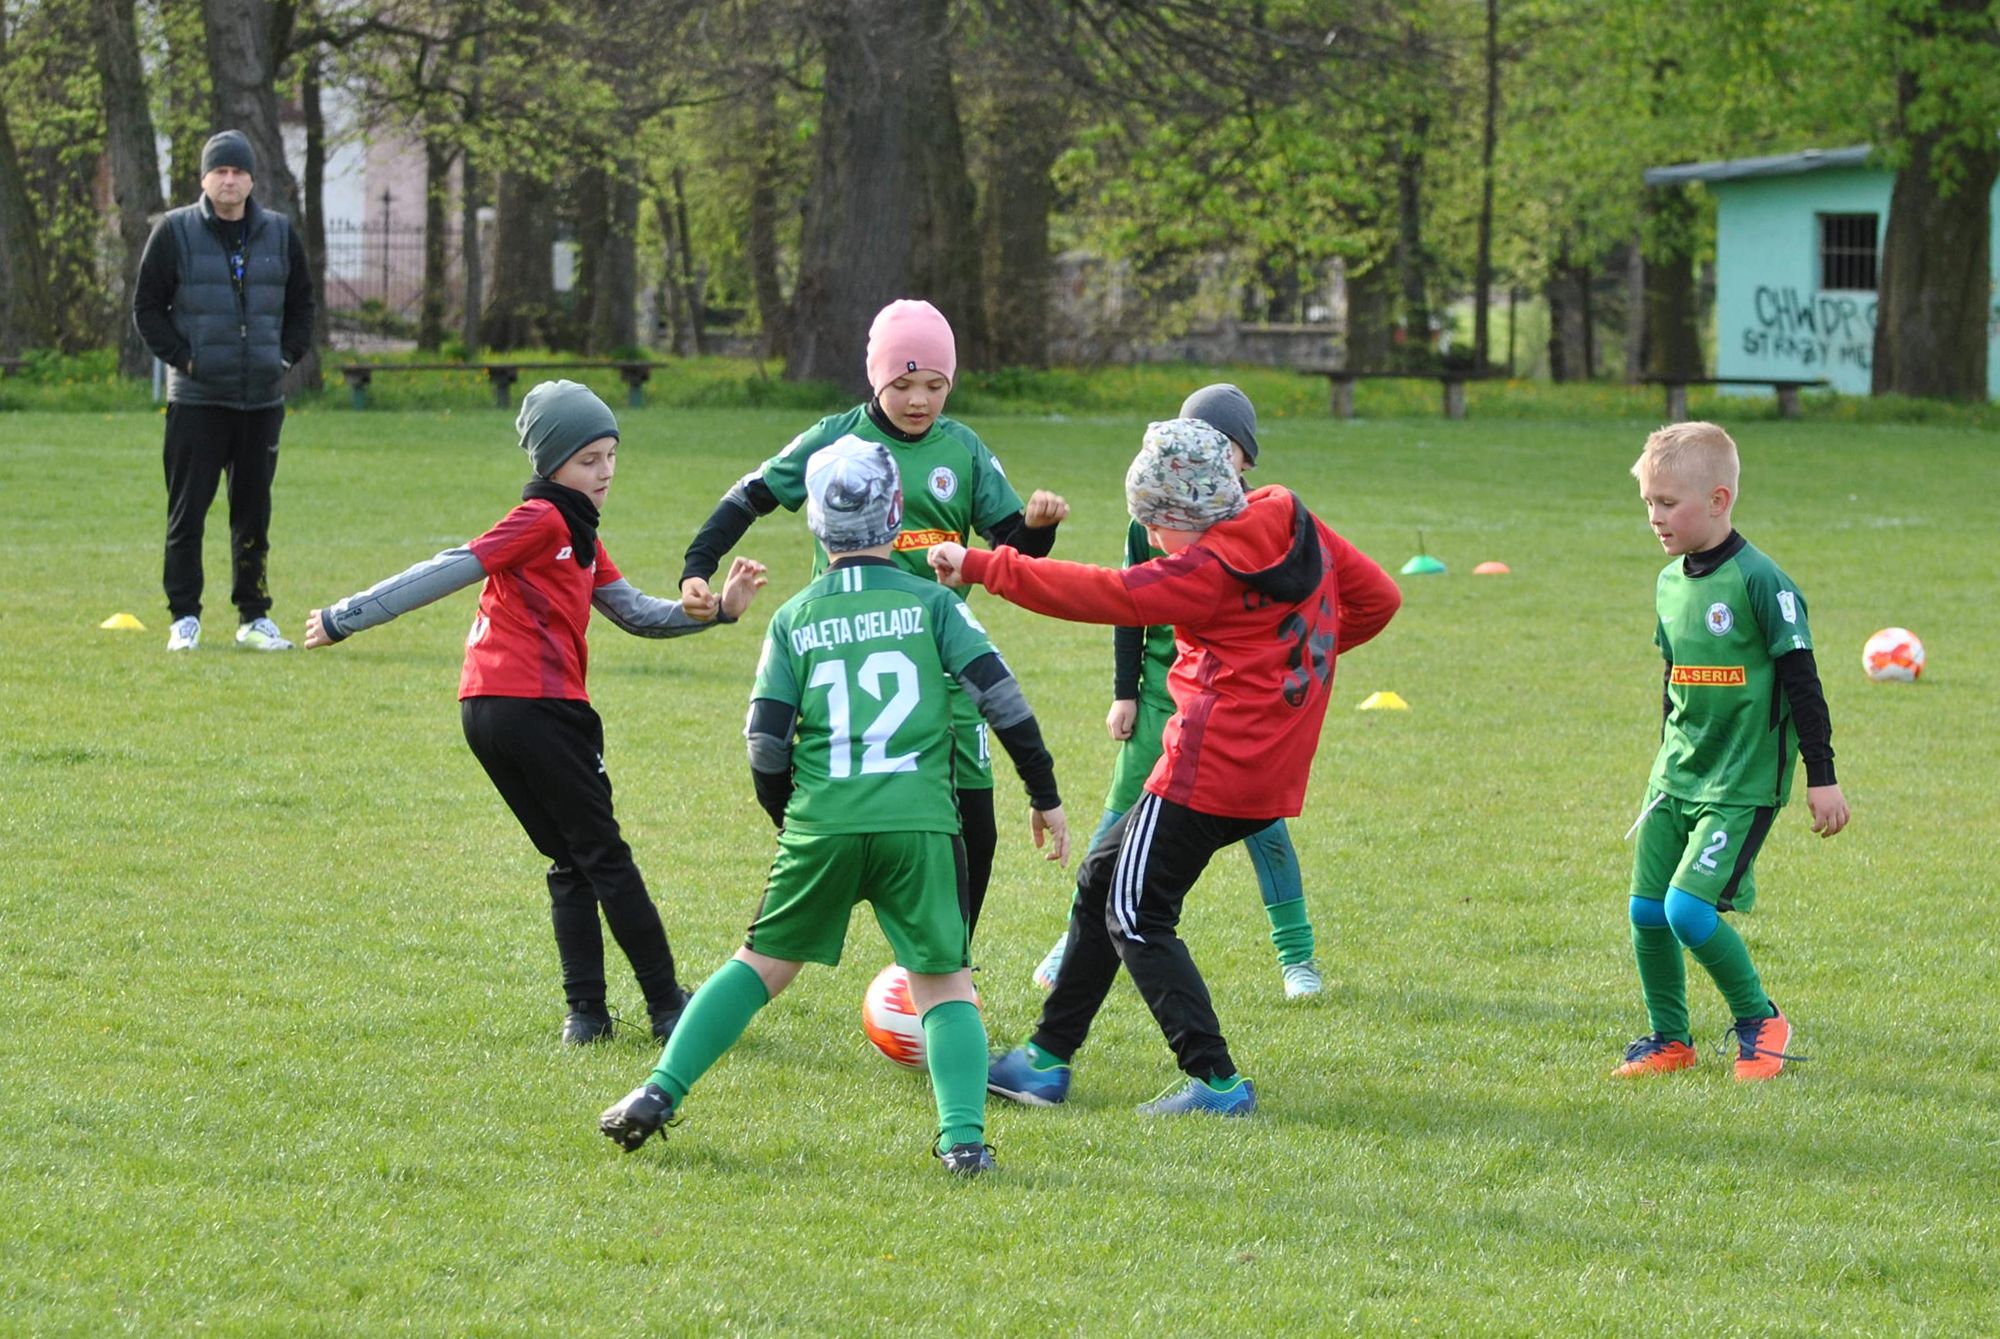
1031 127
1569 320
891 209
1672 302
1936 291
672 296
188 103
692 297
471 186
1482 280
314 232
1409 250
592 228
243 70
1635 311
1368 319
135 163
773 314
612 261
437 198
24 299
522 312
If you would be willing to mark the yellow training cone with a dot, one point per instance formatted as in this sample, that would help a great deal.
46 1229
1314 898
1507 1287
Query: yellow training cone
1383 702
122 623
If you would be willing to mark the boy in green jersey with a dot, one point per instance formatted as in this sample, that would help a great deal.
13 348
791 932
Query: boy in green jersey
1140 709
956 488
851 744
1741 704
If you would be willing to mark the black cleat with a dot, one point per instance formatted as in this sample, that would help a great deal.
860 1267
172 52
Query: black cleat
667 1015
584 1026
640 1115
967 1159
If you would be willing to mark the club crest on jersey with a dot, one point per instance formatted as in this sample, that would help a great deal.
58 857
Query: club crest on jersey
1720 620
943 484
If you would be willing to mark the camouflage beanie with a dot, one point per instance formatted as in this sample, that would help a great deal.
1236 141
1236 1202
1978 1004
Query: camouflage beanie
1183 477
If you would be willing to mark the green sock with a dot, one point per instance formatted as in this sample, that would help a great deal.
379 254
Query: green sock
715 1018
1728 962
1291 931
1040 1059
1663 977
955 1046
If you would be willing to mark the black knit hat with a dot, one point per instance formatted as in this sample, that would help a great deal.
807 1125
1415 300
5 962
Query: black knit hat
228 148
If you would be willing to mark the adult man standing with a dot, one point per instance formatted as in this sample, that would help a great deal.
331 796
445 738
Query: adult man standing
224 299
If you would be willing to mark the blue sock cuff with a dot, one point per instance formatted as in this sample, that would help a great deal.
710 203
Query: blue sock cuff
1692 919
1649 912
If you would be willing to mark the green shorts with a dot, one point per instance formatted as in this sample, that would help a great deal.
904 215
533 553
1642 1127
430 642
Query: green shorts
1137 755
914 880
1705 850
972 755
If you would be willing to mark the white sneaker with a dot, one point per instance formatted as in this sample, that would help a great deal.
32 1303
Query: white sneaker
261 634
185 634
1051 966
1301 979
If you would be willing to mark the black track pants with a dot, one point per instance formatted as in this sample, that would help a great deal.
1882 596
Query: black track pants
545 756
205 443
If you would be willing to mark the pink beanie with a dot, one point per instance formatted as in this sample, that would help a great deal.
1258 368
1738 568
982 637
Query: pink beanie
909 335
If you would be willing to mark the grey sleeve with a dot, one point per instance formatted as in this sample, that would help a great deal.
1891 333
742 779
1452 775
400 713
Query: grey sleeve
412 588
645 615
995 692
769 734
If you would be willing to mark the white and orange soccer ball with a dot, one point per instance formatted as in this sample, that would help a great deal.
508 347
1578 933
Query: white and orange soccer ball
890 1020
1893 655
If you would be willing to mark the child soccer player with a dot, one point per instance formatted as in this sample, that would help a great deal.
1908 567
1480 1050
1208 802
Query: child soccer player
1262 596
521 695
1742 698
851 743
956 488
1140 707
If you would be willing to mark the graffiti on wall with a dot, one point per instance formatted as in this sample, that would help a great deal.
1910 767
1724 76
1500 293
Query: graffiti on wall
1827 330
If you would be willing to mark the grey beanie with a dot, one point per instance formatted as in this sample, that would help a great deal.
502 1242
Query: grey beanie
1183 477
558 419
854 495
228 148
1227 410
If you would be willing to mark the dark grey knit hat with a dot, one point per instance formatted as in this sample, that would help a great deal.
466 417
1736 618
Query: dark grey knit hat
228 148
1227 410
558 419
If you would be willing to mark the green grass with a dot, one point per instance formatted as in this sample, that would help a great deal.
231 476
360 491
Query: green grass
280 1049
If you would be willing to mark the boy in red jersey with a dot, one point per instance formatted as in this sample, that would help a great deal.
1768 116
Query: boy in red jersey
1262 596
521 696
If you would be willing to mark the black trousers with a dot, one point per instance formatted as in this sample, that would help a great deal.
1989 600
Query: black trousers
976 827
546 758
1129 891
205 443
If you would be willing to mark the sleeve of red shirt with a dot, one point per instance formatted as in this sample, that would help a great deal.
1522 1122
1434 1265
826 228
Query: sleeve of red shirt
1369 597
1183 588
516 535
607 571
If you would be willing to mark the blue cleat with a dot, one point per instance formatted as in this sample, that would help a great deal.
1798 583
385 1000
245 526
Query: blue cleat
1196 1098
1014 1077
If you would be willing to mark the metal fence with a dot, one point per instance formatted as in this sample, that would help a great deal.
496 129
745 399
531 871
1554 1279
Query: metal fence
376 271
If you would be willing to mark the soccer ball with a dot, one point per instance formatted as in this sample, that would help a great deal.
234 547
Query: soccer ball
1893 655
889 1018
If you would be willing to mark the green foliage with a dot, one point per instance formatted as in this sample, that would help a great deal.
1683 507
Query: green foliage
282 1004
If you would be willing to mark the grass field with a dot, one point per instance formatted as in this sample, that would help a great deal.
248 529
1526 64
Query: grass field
280 1055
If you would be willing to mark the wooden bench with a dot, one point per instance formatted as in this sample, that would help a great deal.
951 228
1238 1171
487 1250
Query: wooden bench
1340 383
1677 392
9 366
501 376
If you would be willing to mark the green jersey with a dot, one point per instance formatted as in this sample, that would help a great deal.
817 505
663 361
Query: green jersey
1728 737
862 653
1159 652
953 486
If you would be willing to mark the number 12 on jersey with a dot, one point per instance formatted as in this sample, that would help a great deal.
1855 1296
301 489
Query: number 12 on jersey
889 678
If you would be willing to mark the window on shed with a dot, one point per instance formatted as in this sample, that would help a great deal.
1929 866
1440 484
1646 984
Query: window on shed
1848 251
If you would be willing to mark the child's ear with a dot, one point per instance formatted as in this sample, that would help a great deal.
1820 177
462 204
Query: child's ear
1719 499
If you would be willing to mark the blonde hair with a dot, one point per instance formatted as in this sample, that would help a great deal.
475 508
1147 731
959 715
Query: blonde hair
1697 453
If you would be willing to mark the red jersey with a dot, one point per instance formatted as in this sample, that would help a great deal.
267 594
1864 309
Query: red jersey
1261 605
527 640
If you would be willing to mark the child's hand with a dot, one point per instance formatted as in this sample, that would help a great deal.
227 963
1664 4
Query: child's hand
1828 808
1051 824
316 631
1044 510
698 602
746 578
947 560
1119 720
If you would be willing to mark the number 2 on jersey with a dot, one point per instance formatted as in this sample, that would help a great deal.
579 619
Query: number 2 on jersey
875 760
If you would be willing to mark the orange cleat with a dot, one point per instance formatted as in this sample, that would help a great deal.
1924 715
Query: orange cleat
1760 1046
1654 1055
